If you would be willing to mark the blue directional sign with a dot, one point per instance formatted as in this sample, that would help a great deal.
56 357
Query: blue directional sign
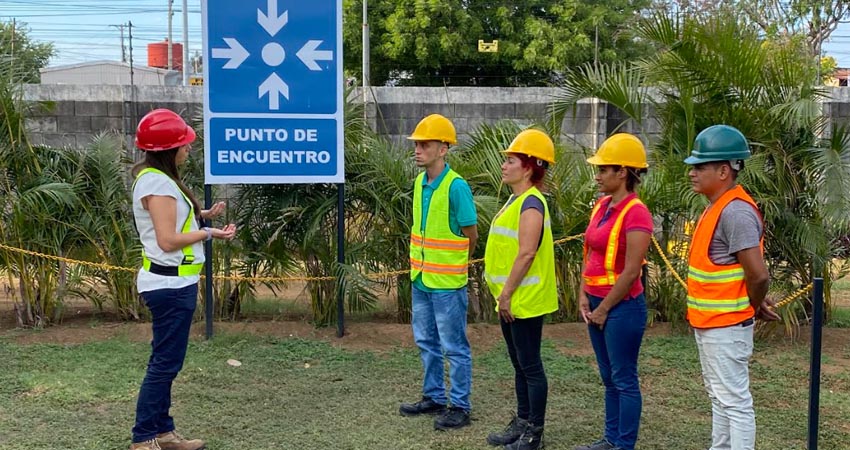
273 91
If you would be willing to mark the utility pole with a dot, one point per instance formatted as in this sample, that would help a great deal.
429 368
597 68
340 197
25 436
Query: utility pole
132 84
123 49
170 50
594 106
13 46
365 83
596 44
132 108
185 42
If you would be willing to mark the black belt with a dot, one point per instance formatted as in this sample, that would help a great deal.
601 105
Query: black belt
745 323
168 271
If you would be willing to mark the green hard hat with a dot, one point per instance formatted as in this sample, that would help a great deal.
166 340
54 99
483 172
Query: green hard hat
719 143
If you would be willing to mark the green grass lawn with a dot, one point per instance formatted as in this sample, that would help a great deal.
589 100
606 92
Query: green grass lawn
303 394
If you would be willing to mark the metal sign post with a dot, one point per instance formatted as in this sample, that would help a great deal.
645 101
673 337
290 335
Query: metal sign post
208 270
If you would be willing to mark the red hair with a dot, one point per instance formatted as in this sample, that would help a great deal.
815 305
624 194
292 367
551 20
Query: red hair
537 166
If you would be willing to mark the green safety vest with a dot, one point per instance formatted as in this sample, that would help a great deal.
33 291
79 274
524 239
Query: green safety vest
436 252
187 267
537 293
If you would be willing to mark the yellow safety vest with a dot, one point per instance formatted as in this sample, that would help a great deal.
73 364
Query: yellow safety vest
186 268
609 277
436 252
537 293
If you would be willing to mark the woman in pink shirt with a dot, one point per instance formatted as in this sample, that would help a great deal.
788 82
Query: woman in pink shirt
611 298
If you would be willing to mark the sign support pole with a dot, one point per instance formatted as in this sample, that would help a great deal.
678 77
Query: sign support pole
340 257
208 269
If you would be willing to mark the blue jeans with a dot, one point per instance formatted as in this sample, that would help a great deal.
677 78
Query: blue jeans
171 316
617 347
439 327
523 337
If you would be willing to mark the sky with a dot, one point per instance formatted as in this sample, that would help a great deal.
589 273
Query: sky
86 30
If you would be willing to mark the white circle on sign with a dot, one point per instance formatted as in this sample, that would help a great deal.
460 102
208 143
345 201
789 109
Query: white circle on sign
273 54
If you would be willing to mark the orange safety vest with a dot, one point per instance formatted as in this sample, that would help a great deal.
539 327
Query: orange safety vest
717 294
609 277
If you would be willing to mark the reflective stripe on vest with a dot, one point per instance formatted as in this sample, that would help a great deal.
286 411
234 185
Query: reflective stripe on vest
436 252
186 268
717 294
537 293
610 276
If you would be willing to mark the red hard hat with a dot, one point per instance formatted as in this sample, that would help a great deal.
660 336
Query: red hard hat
163 129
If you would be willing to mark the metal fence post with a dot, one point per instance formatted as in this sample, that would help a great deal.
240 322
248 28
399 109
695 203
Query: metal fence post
814 369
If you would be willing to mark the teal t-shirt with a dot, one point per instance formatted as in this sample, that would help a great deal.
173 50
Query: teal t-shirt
461 211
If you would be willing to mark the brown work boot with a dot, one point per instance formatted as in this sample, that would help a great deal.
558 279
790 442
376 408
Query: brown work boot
147 445
173 441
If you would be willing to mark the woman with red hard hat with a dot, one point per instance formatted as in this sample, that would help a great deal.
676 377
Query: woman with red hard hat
167 218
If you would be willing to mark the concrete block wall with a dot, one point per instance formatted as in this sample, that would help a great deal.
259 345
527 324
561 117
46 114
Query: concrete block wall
70 115
395 112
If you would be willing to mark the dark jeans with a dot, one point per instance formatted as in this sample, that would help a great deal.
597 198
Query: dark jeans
171 312
523 337
617 347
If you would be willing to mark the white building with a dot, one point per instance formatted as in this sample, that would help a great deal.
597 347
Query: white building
109 72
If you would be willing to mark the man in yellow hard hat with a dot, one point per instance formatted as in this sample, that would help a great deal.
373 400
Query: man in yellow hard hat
442 239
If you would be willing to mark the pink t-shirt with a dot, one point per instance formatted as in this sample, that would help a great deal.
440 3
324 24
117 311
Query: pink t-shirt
637 218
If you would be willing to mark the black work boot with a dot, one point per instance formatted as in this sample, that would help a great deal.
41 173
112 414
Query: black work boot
512 432
531 439
424 406
452 419
602 444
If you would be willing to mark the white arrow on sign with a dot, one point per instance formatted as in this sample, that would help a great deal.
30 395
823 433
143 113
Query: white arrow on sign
271 22
309 54
274 87
236 53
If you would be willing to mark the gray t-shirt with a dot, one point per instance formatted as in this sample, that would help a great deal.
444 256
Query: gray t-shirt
739 228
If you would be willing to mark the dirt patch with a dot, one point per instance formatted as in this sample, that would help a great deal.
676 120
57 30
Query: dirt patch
569 338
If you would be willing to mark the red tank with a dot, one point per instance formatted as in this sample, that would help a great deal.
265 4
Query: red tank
158 55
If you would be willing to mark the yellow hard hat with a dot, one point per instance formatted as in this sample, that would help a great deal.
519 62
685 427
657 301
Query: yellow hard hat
533 142
435 128
621 149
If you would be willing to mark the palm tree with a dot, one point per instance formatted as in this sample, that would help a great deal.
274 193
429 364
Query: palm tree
380 184
292 229
102 224
31 196
717 69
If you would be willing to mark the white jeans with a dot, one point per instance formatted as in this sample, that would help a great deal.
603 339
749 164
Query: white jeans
724 354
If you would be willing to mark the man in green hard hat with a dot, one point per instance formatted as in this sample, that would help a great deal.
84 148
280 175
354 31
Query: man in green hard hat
727 283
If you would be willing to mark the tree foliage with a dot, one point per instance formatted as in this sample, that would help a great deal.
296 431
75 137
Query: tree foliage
435 42
812 21
21 54
815 20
